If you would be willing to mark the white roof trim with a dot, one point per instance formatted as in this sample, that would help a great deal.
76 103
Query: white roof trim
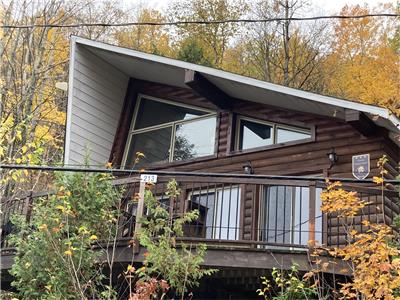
370 109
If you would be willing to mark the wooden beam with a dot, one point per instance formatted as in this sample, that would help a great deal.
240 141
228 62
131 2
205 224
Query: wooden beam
228 257
208 90
360 122
124 122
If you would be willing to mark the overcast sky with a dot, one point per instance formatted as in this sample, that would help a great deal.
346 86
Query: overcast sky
329 6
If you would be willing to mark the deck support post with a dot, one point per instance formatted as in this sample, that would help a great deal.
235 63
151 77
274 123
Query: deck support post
139 214
311 217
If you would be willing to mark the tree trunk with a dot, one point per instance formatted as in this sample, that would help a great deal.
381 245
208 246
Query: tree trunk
286 39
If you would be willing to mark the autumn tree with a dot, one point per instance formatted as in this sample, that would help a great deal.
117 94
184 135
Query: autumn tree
282 52
150 39
34 61
214 39
364 64
192 52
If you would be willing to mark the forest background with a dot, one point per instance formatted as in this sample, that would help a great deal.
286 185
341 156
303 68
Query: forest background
355 59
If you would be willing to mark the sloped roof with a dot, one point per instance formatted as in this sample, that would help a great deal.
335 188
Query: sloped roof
169 71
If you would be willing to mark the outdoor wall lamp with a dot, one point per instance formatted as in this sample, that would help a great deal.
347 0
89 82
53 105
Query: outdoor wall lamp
332 156
247 168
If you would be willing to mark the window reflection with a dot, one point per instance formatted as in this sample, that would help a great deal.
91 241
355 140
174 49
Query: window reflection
254 135
165 131
152 112
285 135
194 139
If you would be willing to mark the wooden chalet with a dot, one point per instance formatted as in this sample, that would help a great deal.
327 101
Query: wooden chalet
245 153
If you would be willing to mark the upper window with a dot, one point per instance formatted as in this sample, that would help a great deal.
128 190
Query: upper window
166 131
253 133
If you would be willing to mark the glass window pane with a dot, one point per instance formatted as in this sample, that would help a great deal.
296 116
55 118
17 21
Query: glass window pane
153 144
206 208
277 214
153 113
301 216
285 215
254 135
227 214
286 135
195 139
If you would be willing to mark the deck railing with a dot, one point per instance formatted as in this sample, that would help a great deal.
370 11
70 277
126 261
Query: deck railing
240 212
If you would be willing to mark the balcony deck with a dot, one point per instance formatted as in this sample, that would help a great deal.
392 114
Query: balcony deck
247 222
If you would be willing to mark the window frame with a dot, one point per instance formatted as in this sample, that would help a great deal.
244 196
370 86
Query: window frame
132 131
275 126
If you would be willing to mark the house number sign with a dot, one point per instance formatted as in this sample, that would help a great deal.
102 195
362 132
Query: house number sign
361 166
148 178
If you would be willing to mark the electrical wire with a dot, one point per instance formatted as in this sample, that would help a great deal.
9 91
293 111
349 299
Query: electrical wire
205 22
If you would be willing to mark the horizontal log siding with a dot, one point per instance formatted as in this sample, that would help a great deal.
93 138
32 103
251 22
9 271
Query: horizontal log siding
301 159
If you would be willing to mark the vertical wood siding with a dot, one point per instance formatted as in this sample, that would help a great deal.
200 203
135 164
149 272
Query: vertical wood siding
98 92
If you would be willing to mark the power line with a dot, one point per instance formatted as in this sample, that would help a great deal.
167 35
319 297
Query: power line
210 22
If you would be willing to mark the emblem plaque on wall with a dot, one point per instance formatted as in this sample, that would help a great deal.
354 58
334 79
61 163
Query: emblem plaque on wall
361 166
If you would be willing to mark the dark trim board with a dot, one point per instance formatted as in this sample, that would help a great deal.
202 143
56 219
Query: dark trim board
124 122
221 257
224 257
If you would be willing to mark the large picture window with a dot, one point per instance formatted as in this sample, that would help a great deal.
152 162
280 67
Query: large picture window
252 133
166 131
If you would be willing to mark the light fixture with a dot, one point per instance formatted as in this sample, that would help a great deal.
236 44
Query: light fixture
247 168
332 156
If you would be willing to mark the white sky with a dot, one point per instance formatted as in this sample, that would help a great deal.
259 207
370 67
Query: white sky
328 6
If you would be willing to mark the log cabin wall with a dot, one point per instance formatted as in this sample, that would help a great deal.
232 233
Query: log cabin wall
302 158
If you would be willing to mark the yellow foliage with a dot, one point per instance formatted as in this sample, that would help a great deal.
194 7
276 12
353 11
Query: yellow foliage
372 256
150 39
337 200
377 180
42 227
363 66
376 272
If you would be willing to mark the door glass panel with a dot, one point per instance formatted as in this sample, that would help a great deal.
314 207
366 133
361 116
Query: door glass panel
301 216
285 215
153 113
254 135
277 214
227 214
220 214
155 145
195 139
286 135
205 204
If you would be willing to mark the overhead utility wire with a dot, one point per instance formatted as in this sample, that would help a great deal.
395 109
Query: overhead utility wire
177 23
179 173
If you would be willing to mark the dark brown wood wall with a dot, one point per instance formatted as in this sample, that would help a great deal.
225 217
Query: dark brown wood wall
299 159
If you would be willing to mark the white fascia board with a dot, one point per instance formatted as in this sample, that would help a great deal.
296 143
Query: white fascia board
370 109
72 47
